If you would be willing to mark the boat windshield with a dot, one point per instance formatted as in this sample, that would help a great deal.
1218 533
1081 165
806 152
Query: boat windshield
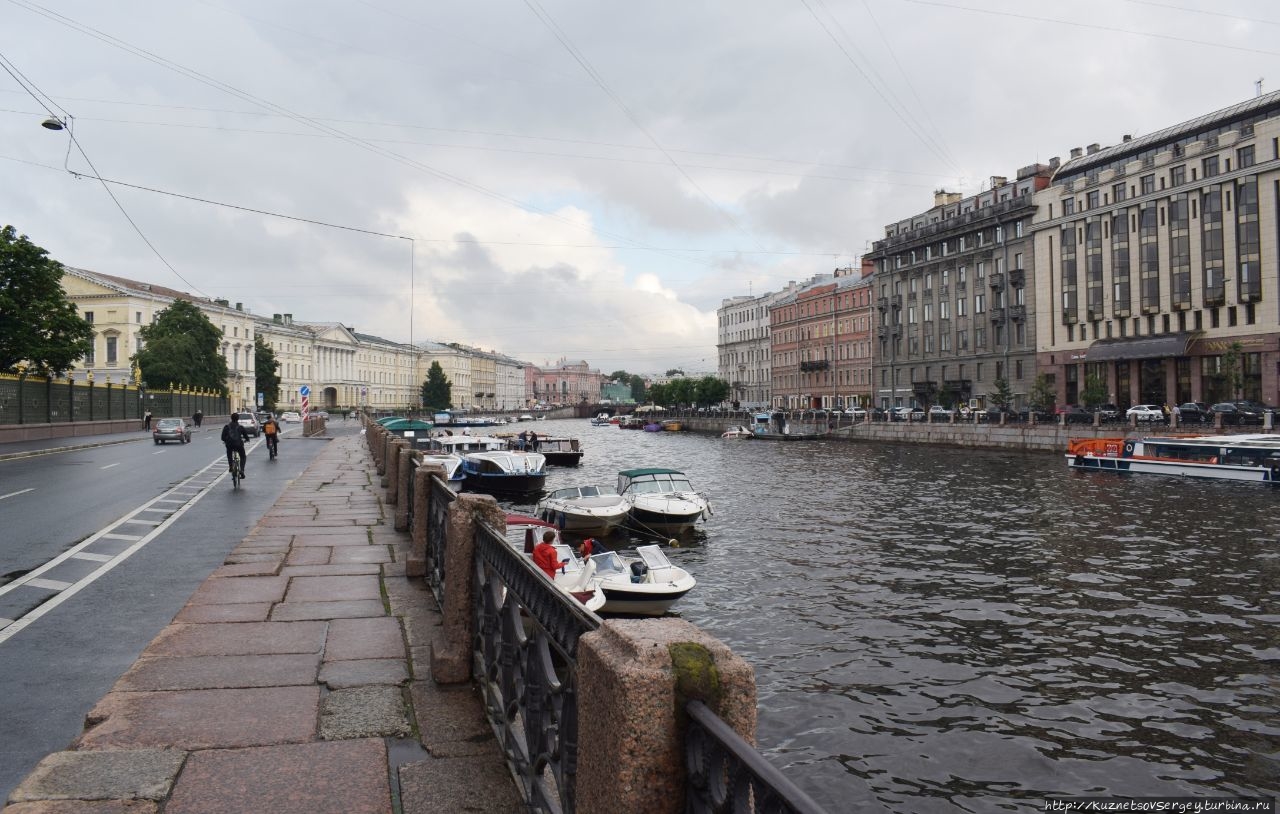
608 562
568 560
653 557
660 484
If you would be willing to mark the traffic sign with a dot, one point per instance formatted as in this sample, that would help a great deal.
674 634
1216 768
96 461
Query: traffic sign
305 390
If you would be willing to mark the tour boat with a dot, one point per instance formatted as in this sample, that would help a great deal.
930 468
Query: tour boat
1223 457
672 425
584 509
523 533
630 422
460 444
506 473
452 468
662 499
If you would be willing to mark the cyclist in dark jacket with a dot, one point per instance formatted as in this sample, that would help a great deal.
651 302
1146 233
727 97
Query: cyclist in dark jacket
233 438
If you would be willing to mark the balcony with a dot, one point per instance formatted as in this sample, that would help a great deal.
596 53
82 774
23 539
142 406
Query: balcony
960 287
997 315
883 304
1017 277
997 281
1018 313
882 332
911 296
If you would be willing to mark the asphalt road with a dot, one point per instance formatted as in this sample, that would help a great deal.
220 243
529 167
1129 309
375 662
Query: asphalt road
57 666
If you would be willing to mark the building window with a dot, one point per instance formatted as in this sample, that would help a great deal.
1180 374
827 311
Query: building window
1210 166
111 350
1091 200
1068 206
1117 193
88 317
1244 157
1178 175
1148 184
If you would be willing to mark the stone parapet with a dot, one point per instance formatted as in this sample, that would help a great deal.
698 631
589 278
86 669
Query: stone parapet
451 660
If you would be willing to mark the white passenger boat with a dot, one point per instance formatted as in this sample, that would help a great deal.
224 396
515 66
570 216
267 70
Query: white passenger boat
523 533
1221 457
461 443
584 509
504 473
738 433
452 467
646 585
661 499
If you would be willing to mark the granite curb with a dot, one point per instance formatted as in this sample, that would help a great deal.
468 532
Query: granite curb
295 680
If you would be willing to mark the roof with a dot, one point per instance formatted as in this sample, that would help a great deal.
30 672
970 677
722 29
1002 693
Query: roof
1141 347
632 473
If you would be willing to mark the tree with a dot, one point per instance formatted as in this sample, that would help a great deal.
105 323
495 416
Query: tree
182 347
1042 396
39 326
437 391
266 376
1095 391
619 376
1002 395
1231 370
675 371
637 389
680 392
710 390
660 394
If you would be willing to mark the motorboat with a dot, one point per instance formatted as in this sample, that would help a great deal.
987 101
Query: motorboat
524 417
584 509
452 465
1219 457
661 499
560 451
503 472
737 433
524 532
672 425
601 420
646 585
652 426
630 422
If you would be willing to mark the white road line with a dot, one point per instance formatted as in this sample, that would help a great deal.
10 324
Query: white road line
49 584
114 536
158 452
88 555
142 522
13 628
15 494
5 622
108 466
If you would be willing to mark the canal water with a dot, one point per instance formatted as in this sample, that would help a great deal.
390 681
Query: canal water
948 630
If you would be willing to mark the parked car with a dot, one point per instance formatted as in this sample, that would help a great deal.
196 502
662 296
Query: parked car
1074 414
1041 416
249 423
993 414
1194 412
1145 412
857 413
1106 412
939 413
905 413
290 417
171 429
1235 413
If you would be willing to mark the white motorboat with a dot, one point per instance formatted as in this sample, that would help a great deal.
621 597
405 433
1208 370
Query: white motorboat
584 509
646 585
523 533
452 468
500 472
661 499
737 433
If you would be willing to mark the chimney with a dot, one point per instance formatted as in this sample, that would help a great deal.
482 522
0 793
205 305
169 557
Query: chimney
1127 137
998 181
1055 162
239 306
1076 152
1095 147
941 197
288 319
276 319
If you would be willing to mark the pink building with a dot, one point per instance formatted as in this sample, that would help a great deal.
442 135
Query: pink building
564 382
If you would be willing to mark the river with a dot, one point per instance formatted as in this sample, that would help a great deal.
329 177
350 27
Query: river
948 630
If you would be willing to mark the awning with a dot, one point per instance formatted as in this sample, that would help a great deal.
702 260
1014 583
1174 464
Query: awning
1142 347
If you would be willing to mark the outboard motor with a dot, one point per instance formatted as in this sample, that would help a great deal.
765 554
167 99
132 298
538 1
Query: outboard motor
639 571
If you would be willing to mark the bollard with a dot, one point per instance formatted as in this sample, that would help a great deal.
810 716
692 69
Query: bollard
634 678
451 659
404 488
416 563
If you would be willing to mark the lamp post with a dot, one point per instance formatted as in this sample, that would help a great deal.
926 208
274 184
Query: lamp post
22 378
89 377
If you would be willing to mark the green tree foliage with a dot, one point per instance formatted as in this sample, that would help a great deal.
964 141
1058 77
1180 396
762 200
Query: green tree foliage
711 390
39 326
637 389
266 373
660 394
1002 395
675 371
619 376
437 391
182 347
1095 391
1042 395
1232 370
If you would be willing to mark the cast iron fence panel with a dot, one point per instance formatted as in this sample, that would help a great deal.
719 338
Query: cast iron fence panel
726 774
437 527
526 661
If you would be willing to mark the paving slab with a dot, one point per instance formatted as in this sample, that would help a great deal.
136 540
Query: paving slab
220 672
310 555
84 807
331 570
370 553
232 590
362 712
346 609
338 675
451 720
458 784
332 589
138 774
326 777
248 569
245 639
205 614
379 638
202 719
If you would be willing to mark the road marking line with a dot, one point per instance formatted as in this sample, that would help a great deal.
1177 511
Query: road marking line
108 466
15 494
114 536
11 629
142 522
87 555
4 623
49 584
158 452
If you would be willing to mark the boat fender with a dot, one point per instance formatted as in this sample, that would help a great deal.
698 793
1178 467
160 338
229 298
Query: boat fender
1128 449
709 512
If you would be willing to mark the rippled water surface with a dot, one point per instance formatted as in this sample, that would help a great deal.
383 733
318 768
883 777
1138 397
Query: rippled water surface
944 630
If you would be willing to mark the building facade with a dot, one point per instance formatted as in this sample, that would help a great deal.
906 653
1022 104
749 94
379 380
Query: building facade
1159 255
743 348
565 383
955 298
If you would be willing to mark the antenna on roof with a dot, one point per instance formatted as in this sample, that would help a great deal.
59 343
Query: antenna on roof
1258 84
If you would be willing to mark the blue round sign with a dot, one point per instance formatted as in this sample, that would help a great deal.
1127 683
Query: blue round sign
305 390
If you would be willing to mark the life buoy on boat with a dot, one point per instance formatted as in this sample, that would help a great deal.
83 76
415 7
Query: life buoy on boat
1128 449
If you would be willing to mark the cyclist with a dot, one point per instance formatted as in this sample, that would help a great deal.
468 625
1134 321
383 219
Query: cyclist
233 438
271 431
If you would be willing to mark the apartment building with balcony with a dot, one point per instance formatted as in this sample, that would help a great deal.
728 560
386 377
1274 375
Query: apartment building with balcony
743 352
954 297
821 347
1158 255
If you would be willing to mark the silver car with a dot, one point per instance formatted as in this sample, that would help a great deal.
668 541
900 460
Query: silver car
171 429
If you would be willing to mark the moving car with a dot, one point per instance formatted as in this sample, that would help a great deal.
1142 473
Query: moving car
1107 412
249 423
171 429
1145 412
290 417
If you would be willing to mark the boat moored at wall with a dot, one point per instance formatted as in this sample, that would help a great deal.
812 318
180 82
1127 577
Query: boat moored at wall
1219 457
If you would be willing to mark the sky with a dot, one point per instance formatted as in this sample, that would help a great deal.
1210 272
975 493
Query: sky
560 178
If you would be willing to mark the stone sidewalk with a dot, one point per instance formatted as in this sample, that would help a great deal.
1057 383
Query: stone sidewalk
294 680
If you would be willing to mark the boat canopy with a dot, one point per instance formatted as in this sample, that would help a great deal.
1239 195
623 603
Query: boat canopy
401 424
632 473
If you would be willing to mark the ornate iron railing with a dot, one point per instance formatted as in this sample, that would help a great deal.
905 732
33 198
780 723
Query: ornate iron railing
441 498
725 774
526 662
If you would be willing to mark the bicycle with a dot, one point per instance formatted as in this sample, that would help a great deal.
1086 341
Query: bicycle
273 444
234 462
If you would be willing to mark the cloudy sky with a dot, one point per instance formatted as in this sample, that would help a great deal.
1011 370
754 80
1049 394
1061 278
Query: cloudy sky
561 178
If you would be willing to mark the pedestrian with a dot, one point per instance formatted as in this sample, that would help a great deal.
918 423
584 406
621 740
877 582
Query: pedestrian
522 440
533 441
146 420
545 556
198 418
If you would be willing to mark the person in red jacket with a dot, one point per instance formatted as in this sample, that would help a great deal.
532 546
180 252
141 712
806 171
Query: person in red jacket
545 556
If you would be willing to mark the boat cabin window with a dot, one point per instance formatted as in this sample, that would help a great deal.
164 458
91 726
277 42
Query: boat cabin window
1185 452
